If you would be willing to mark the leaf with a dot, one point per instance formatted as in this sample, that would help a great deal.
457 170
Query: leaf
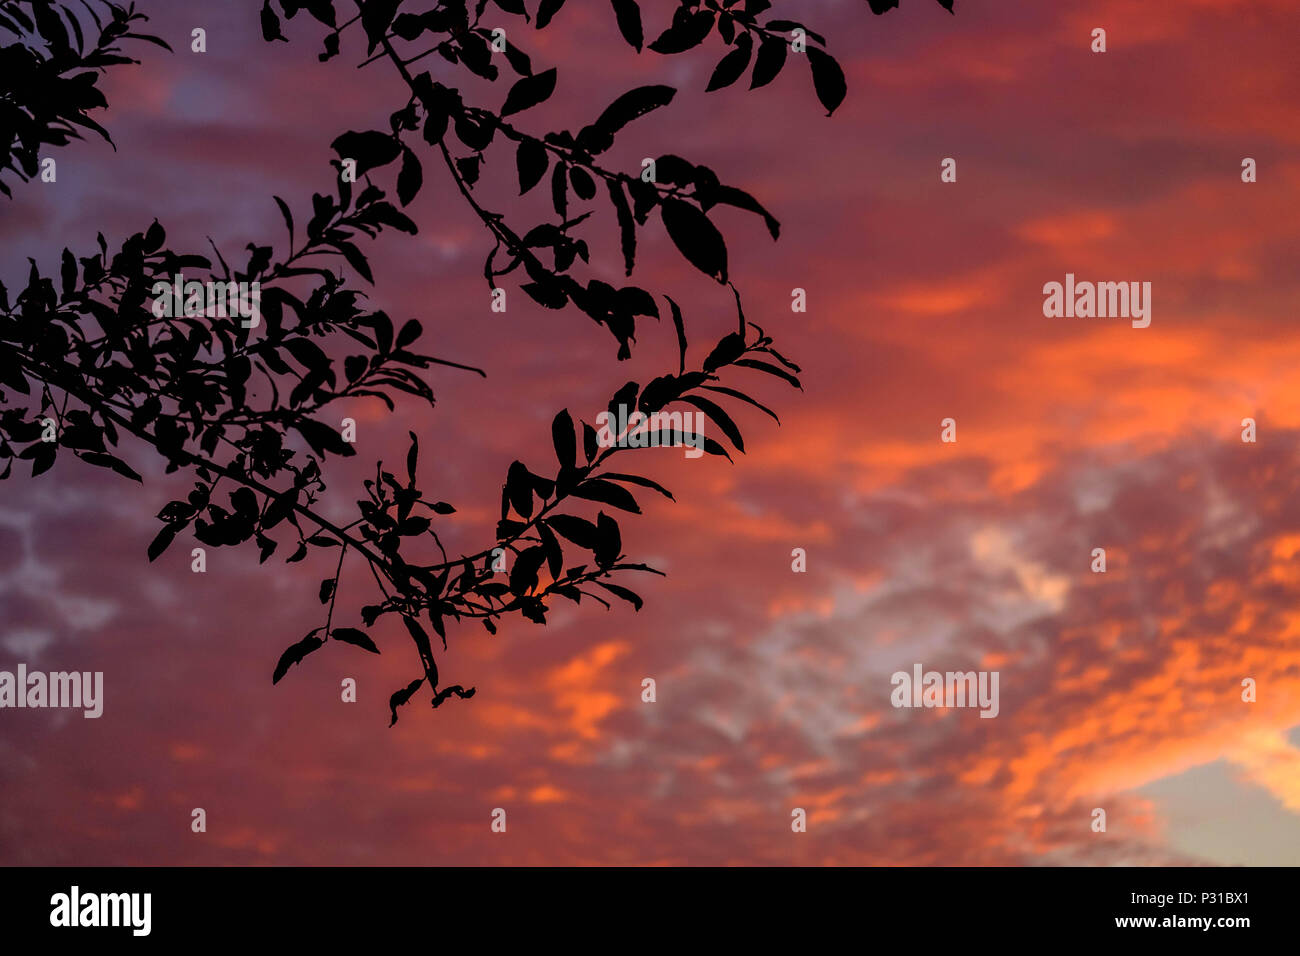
681 335
370 149
625 397
529 91
326 589
731 66
584 187
732 196
695 237
687 30
105 460
626 225
295 653
728 349
351 635
828 79
608 543
638 480
744 398
523 576
546 10
68 273
519 489
409 332
562 437
270 23
768 63
376 16
288 216
410 179
401 697
771 370
628 15
531 162
560 189
578 530
422 645
630 596
161 542
412 458
632 105
42 454
720 418
322 438
554 553
606 492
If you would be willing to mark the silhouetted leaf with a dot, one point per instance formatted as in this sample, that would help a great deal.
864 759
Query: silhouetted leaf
608 541
412 458
688 29
562 437
531 161
42 455
528 92
410 178
376 16
730 348
295 654
351 635
633 104
270 23
370 149
828 79
731 66
744 398
401 697
743 200
322 438
771 370
681 335
695 237
545 10
578 530
638 480
288 216
768 63
519 489
626 225
584 187
606 492
162 540
105 460
720 418
630 596
628 15
523 576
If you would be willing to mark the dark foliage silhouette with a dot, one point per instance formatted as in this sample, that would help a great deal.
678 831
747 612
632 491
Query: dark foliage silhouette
48 76
85 358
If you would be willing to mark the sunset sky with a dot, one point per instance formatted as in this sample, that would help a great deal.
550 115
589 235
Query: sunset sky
1119 690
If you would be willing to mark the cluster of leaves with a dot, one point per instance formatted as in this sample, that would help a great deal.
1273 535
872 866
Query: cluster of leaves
48 74
188 384
460 133
211 395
